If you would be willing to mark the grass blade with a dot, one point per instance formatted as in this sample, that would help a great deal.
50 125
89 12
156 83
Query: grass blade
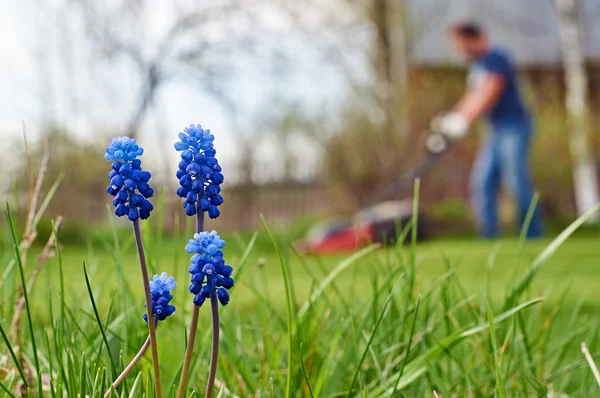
366 351
332 275
413 240
526 280
410 338
48 198
418 366
15 242
310 391
288 299
136 385
91 295
527 222
499 382
591 363
82 376
6 390
14 357
244 260
61 278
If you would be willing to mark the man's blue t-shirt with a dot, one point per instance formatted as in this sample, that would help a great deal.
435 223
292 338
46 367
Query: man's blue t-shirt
510 107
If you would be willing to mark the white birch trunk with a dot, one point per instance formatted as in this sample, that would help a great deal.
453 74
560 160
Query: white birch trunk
584 169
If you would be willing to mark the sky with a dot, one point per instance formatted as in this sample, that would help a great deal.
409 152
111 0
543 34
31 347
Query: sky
51 70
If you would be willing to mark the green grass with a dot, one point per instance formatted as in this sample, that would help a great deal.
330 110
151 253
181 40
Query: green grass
353 329
576 265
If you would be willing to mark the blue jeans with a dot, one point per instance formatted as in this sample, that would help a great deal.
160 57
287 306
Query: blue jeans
505 158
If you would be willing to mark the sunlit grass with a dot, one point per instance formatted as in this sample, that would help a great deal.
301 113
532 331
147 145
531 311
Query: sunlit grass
366 322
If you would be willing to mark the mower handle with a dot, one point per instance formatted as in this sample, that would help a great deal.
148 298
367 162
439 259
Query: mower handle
436 143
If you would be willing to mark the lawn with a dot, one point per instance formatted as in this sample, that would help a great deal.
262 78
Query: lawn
358 327
575 268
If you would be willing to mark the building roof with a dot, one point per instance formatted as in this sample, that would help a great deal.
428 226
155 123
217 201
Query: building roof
527 28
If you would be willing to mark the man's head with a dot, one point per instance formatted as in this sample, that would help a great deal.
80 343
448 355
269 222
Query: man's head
469 39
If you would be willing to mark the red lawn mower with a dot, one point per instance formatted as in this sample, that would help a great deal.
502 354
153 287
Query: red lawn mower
381 222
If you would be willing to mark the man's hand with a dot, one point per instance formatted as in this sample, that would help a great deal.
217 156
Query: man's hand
452 125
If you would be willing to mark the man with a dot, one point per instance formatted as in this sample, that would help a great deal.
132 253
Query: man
493 92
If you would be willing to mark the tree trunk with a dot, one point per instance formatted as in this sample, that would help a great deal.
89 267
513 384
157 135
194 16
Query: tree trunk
584 169
400 66
390 62
148 91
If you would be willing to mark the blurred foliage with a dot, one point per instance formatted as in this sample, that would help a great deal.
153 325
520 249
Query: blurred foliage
451 217
551 157
79 196
358 158
365 153
78 233
361 154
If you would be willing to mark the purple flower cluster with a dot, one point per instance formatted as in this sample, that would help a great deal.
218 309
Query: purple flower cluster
209 271
199 173
160 289
127 179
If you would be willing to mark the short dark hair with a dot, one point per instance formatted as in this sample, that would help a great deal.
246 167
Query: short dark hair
468 29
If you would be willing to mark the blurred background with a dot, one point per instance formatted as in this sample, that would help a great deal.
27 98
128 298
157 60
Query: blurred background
316 105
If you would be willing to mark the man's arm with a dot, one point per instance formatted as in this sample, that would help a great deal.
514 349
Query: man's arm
472 106
477 103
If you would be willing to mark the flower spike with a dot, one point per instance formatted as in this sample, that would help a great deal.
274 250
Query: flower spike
160 288
127 179
208 269
199 172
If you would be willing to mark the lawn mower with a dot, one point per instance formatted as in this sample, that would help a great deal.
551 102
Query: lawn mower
381 222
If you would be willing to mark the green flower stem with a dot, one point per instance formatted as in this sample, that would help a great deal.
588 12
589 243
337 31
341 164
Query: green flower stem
129 367
187 362
188 353
151 325
214 305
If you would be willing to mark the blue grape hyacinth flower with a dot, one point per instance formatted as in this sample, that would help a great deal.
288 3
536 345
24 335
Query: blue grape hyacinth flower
209 271
128 182
123 149
199 172
160 289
